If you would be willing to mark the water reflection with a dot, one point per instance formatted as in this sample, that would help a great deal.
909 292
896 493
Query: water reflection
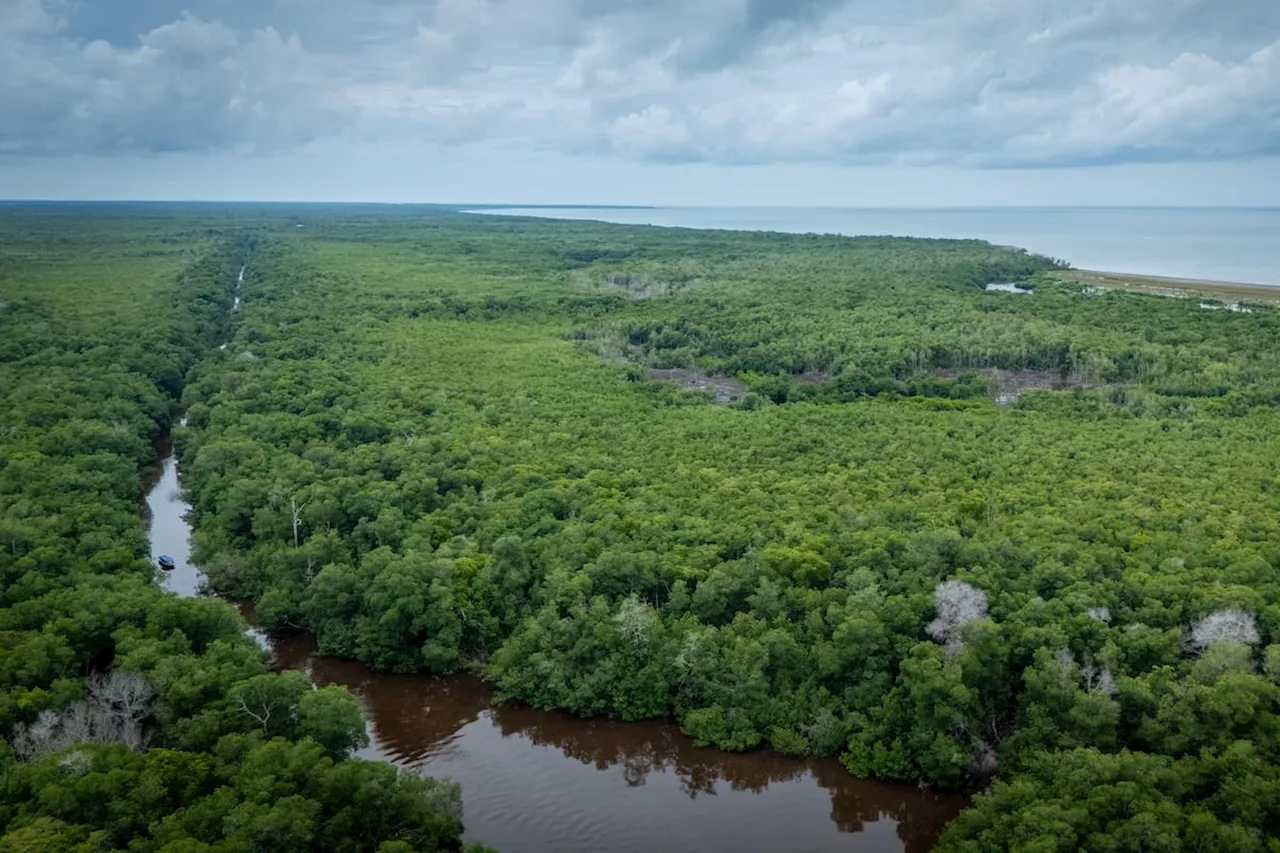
165 513
546 781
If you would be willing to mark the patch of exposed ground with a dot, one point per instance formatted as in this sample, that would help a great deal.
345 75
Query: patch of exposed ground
607 342
1009 385
1230 293
726 388
643 286
1234 307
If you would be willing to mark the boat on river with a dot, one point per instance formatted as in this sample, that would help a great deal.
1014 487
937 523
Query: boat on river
166 562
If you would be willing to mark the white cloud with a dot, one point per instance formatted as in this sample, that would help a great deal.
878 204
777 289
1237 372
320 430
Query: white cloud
188 85
1192 107
653 132
972 83
25 17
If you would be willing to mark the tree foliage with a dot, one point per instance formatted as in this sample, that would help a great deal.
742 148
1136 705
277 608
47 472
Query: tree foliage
942 532
132 719
946 533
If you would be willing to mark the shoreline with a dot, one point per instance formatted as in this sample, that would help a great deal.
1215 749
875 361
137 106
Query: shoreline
1159 285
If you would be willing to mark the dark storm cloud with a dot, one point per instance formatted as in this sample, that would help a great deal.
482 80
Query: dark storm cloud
961 82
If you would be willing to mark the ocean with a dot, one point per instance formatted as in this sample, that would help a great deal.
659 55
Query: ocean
1221 244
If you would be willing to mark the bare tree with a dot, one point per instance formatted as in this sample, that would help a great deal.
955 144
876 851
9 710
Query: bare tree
957 604
38 737
260 711
1097 679
115 712
691 651
1232 626
297 518
1065 660
1094 678
635 620
78 762
267 699
983 763
124 697
126 693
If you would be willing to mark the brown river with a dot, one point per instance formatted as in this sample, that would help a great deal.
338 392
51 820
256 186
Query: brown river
538 781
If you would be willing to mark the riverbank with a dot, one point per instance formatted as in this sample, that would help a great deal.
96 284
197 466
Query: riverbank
549 781
107 313
427 461
543 782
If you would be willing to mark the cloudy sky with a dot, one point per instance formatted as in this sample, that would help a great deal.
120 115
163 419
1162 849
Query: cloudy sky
644 101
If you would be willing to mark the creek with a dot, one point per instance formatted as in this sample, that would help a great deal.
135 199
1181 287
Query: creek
548 781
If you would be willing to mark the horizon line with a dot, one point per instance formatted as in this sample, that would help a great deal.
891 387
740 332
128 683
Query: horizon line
464 207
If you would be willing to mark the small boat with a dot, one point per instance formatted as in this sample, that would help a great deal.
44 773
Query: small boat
166 562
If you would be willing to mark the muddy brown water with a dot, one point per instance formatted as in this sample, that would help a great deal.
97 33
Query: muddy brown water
547 782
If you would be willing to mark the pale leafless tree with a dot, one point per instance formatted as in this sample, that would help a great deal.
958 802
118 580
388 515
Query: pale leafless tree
983 763
125 698
1094 678
1065 660
957 604
1097 678
259 712
38 737
296 511
1232 625
262 704
78 762
115 712
635 620
126 694
691 651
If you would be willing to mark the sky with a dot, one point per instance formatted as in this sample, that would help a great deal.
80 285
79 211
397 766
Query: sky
703 102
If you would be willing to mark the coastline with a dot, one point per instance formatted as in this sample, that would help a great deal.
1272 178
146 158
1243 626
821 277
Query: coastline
1186 288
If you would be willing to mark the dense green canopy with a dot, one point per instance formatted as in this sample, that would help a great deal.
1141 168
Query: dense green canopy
455 413
941 532
133 719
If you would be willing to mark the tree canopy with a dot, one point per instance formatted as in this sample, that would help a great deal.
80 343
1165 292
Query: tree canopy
825 494
133 719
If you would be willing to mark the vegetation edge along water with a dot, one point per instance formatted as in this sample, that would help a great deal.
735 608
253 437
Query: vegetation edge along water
434 442
133 719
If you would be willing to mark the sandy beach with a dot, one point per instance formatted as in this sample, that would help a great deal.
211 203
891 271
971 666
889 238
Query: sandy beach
1224 291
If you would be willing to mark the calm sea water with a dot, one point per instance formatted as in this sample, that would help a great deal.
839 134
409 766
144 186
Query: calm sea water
1226 244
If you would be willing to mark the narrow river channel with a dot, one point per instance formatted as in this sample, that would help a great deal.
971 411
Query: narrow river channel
538 782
